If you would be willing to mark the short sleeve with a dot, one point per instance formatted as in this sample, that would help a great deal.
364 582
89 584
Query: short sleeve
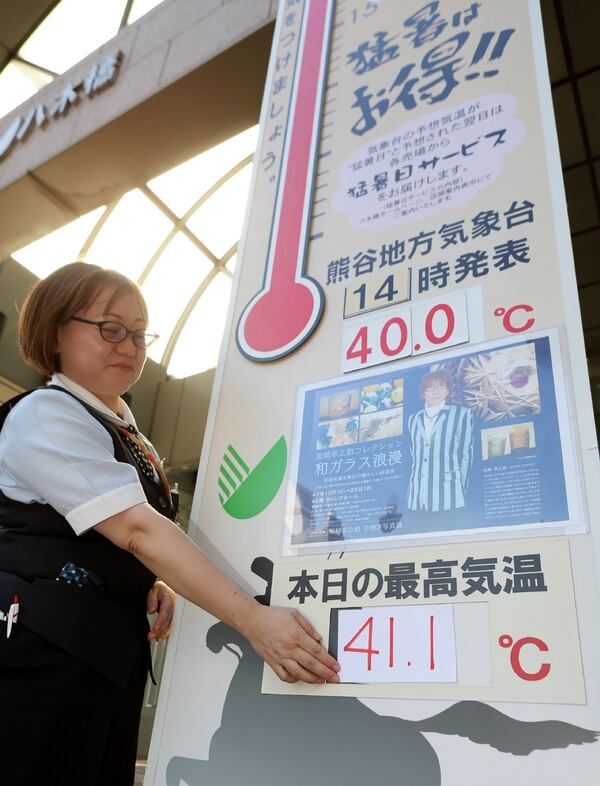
53 451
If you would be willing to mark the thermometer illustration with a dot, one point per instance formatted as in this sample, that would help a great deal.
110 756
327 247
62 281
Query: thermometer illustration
284 313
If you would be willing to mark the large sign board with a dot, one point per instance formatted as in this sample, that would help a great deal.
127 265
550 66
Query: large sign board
401 442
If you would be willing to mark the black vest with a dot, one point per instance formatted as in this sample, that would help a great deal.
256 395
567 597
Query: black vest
103 629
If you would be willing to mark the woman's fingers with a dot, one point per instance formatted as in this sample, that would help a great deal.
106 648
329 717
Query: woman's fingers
283 674
315 659
301 674
313 656
161 599
152 600
306 625
162 624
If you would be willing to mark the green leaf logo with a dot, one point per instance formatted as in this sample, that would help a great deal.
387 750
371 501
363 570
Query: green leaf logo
245 493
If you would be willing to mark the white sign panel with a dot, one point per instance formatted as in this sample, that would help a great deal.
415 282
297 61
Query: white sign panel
413 644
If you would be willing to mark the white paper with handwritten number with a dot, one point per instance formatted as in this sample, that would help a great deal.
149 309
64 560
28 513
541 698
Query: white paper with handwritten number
387 644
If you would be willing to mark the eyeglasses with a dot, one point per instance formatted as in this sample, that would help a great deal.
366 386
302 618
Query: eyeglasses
115 332
435 388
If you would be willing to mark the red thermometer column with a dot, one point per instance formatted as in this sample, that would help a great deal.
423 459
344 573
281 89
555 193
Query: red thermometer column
287 309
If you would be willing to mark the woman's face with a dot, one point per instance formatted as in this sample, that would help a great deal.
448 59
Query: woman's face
435 393
106 370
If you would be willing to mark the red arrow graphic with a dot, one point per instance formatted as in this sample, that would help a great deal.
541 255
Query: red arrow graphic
287 309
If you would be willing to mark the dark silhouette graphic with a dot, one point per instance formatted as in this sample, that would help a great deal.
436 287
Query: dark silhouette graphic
271 740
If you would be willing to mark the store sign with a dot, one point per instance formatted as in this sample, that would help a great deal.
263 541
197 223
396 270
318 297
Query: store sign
100 76
405 314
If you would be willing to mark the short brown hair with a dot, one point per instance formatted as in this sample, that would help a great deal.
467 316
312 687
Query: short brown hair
57 298
439 375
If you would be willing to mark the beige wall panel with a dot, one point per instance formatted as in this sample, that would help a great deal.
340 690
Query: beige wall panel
15 282
144 394
141 79
191 420
8 390
23 15
162 24
214 34
40 144
27 211
168 402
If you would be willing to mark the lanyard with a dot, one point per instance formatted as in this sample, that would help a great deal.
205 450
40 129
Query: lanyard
144 457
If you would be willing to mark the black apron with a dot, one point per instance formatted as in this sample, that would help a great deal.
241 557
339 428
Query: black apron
104 629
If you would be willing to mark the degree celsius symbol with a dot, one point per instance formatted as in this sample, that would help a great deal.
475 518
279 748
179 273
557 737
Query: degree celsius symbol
507 642
514 319
283 314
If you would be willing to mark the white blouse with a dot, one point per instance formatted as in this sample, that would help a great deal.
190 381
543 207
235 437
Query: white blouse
54 452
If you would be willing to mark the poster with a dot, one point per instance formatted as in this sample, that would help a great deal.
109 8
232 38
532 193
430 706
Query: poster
468 444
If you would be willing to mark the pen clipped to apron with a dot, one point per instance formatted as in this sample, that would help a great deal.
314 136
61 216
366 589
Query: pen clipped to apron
12 616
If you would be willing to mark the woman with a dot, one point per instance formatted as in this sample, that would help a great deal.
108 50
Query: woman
85 517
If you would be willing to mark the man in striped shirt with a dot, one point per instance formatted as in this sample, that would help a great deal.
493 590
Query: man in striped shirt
441 443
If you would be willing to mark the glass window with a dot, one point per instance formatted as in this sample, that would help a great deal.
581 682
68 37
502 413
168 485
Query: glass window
50 252
231 265
180 187
18 82
169 287
131 235
218 222
71 31
200 340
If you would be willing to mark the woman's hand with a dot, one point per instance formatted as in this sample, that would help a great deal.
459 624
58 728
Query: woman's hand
161 599
290 645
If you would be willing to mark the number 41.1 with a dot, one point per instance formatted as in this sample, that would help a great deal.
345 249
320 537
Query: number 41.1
388 644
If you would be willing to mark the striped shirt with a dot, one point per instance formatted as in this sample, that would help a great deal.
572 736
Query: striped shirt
441 460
